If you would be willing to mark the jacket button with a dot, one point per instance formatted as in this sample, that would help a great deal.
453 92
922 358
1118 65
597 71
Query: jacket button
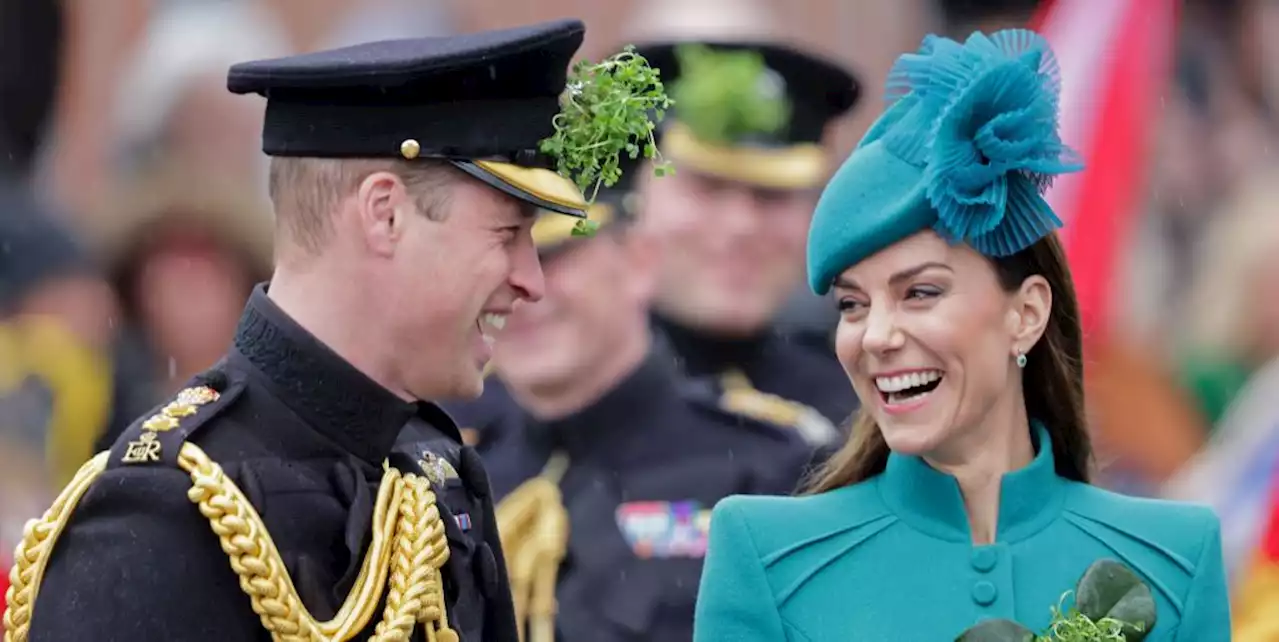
983 559
984 593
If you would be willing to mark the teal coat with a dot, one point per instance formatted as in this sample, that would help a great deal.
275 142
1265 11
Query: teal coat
891 559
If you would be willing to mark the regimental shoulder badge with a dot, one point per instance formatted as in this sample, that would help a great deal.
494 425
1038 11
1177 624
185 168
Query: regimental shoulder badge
147 448
808 423
660 529
437 469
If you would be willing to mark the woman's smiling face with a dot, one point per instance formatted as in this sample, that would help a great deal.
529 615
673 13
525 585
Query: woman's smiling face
927 335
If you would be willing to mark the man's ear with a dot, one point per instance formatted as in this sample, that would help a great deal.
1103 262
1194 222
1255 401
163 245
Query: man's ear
1031 306
384 209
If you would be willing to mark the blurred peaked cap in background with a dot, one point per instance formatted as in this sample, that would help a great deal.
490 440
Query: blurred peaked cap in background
481 101
613 206
815 91
819 90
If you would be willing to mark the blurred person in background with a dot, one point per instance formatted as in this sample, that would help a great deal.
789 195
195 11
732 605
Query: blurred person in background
609 459
1231 368
166 237
1230 322
56 380
746 140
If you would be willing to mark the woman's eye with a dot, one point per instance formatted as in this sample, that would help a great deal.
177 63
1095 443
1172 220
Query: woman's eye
920 292
847 305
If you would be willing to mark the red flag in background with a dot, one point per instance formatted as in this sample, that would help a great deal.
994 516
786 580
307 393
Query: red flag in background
1116 60
1115 57
4 581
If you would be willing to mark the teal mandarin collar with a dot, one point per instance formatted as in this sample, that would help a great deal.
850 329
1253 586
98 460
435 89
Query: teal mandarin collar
930 500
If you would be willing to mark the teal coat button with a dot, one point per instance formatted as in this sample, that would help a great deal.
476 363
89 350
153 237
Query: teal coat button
984 593
983 559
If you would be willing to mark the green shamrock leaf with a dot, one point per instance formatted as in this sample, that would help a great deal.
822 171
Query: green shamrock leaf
1108 589
997 631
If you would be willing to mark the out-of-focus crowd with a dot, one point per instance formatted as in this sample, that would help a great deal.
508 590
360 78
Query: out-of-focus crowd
134 218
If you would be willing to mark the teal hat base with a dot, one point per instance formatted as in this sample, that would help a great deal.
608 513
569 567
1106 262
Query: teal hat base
863 210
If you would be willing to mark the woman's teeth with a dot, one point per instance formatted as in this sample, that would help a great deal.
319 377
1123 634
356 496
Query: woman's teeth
905 387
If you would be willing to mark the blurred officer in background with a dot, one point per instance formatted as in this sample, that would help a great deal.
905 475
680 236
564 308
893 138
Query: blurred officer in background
159 236
745 138
608 460
56 385
265 500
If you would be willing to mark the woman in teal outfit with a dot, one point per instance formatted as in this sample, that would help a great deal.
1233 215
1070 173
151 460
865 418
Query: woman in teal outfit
964 494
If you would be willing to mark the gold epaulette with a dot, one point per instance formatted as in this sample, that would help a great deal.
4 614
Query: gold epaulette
533 526
740 398
406 519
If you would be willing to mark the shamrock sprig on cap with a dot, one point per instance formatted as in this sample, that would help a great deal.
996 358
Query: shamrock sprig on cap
609 108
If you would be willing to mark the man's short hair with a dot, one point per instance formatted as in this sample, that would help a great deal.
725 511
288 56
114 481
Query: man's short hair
307 191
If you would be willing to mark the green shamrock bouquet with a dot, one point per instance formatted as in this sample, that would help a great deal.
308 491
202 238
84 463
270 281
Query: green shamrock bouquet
1111 605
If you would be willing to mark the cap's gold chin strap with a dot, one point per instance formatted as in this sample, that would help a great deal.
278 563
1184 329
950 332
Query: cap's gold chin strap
534 528
406 521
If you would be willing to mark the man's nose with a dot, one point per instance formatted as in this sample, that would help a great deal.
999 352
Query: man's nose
526 273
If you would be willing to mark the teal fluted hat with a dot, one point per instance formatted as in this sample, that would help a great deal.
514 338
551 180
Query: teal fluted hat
967 147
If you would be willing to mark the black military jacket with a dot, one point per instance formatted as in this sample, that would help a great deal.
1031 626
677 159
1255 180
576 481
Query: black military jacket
646 463
304 435
790 367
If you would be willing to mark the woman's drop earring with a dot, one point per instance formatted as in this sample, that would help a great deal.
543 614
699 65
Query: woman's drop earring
1021 360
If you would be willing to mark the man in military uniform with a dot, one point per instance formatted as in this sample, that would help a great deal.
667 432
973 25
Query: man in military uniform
746 141
610 459
303 489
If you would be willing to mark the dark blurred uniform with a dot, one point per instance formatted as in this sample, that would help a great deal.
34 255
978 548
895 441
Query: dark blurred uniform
30 68
271 494
755 170
609 503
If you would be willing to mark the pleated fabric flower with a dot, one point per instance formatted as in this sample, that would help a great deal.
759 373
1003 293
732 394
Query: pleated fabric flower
991 147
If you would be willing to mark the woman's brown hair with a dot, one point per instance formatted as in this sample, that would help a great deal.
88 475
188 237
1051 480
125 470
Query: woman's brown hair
1053 381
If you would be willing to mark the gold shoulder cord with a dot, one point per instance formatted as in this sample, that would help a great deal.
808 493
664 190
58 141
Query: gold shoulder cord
408 544
534 528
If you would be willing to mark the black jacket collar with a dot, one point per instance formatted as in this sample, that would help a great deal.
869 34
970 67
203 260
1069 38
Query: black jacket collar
325 391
